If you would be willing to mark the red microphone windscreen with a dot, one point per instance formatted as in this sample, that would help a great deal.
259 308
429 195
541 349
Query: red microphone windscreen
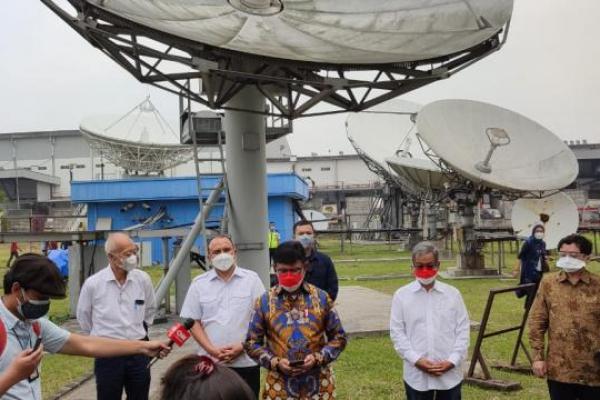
178 334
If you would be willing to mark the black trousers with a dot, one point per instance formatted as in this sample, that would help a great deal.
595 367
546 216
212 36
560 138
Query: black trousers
572 391
450 394
250 375
117 373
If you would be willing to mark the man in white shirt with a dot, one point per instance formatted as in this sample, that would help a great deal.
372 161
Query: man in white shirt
429 327
118 302
221 301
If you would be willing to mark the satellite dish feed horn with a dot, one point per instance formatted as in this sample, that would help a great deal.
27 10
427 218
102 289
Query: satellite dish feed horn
498 137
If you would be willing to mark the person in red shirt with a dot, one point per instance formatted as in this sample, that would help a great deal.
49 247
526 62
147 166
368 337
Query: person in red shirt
14 253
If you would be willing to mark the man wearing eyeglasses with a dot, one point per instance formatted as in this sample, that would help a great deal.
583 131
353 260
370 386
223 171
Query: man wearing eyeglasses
429 327
118 302
567 308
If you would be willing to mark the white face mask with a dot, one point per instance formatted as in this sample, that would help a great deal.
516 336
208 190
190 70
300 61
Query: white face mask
130 263
427 281
570 264
222 261
538 235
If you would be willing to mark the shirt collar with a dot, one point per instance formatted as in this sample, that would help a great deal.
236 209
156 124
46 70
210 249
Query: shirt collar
9 319
415 286
584 277
236 272
279 290
110 275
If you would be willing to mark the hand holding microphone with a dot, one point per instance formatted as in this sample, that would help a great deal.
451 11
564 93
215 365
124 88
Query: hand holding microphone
177 334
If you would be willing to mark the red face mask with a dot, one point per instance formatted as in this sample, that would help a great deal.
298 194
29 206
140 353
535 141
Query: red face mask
425 272
289 279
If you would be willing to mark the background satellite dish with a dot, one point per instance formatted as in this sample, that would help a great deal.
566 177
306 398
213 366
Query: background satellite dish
380 132
318 219
140 141
474 138
561 210
422 174
330 32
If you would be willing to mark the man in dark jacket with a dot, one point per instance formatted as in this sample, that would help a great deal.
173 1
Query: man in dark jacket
320 271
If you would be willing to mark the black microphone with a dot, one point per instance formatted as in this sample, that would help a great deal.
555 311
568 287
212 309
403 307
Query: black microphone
177 334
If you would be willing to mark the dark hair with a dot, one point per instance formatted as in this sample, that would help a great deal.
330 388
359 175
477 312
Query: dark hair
34 271
196 377
303 222
288 253
582 243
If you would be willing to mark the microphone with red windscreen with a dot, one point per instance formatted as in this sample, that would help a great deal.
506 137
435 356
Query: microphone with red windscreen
178 334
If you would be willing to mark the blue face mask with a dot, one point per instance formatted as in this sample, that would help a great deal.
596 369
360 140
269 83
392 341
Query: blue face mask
306 240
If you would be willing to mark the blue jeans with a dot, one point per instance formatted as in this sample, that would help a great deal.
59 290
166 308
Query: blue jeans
117 373
450 394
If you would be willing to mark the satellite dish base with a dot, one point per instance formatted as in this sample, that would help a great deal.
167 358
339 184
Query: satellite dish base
482 167
460 273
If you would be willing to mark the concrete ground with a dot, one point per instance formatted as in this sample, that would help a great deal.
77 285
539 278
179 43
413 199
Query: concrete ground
363 312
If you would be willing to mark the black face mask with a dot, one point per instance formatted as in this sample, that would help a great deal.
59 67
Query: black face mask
33 309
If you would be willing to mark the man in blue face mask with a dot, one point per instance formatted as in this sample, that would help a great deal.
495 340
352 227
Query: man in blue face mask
28 287
320 270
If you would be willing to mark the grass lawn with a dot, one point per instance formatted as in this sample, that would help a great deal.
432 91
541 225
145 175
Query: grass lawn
369 368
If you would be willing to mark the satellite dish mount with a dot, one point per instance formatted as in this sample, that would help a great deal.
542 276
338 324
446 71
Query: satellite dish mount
498 137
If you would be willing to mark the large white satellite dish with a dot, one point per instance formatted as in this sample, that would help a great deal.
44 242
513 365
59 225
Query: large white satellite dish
496 147
324 31
140 141
563 218
422 174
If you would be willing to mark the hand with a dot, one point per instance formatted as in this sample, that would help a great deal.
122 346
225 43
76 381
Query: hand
440 368
230 352
25 363
539 368
309 362
286 369
424 364
155 348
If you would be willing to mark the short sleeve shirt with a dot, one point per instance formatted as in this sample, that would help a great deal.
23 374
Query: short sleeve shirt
224 308
21 335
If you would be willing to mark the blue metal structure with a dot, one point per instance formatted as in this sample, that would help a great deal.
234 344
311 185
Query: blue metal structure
131 201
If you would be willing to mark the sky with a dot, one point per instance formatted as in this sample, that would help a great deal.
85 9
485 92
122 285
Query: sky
548 71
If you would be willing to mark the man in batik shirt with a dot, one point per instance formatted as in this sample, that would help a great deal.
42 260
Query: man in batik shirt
295 332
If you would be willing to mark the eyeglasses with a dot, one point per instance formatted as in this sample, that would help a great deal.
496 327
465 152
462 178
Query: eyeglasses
573 254
430 265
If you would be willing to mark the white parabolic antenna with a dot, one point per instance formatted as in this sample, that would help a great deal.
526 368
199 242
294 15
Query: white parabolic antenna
324 31
561 210
139 141
421 173
496 147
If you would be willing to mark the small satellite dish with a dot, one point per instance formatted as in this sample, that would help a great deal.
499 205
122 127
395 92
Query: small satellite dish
496 147
329 32
318 219
559 211
140 141
421 174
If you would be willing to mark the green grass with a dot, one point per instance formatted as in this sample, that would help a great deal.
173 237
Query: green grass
369 368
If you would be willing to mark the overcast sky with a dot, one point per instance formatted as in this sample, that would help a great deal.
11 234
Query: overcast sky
548 70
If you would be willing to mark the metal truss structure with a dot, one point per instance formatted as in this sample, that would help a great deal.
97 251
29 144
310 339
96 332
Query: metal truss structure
213 76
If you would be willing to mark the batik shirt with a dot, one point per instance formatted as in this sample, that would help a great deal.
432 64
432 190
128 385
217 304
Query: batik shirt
292 326
570 315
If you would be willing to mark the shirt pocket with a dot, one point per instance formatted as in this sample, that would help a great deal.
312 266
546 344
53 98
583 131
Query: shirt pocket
241 304
209 307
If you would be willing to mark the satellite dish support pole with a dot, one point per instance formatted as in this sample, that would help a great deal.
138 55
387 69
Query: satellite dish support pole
246 163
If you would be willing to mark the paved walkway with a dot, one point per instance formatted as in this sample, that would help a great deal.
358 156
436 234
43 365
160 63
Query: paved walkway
363 312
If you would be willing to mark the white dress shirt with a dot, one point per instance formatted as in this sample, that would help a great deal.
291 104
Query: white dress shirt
434 325
224 308
108 309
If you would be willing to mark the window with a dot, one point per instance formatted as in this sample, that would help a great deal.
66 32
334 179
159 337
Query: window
306 169
42 168
325 168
